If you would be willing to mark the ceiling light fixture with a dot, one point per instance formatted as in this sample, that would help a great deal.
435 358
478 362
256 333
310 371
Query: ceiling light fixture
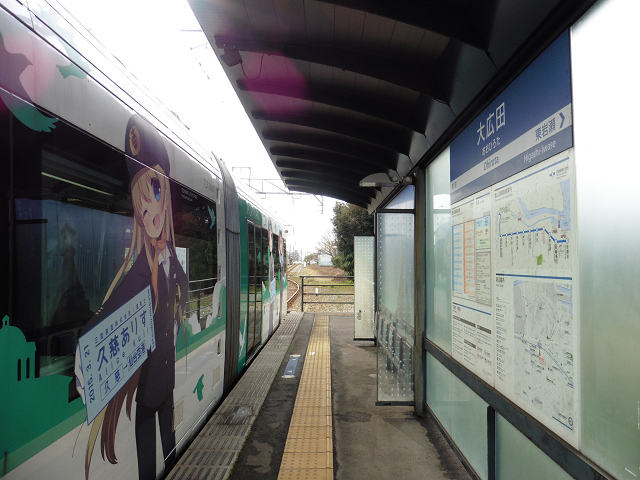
378 180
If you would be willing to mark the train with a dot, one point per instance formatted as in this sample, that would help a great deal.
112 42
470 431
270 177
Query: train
138 279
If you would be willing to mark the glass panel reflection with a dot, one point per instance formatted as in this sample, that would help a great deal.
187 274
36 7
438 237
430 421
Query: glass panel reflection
364 272
395 322
438 253
517 457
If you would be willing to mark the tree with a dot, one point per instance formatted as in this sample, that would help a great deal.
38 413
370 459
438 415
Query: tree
349 220
327 244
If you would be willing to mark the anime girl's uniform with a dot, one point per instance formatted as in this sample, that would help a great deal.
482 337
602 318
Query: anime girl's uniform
156 378
157 373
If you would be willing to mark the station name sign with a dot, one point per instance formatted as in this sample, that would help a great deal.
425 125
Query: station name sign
527 123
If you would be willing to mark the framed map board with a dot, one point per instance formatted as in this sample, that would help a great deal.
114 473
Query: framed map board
514 305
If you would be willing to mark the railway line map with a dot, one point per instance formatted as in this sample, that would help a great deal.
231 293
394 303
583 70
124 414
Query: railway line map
513 298
536 338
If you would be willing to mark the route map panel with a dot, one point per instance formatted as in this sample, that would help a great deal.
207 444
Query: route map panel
513 319
536 341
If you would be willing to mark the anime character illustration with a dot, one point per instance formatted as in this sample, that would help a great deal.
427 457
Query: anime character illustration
150 262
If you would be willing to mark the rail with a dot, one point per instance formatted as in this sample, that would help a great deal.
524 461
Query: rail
293 297
322 294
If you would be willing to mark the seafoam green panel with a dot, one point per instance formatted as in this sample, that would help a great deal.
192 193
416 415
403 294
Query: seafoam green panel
35 411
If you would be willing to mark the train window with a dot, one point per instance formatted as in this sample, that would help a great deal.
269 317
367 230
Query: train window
196 244
71 227
277 267
5 199
252 285
259 282
265 258
256 283
267 266
284 253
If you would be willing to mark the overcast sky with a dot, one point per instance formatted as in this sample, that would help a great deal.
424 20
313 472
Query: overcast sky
160 42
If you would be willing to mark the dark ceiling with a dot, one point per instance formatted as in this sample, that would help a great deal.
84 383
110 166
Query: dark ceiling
338 90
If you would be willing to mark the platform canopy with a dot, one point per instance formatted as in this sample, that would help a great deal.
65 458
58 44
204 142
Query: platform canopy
344 89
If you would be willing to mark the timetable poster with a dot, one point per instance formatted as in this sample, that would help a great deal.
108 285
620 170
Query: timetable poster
472 318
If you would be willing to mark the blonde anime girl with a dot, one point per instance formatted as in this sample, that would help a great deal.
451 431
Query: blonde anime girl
150 261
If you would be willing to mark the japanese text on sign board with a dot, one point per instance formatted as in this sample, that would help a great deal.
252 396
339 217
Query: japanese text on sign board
113 350
487 129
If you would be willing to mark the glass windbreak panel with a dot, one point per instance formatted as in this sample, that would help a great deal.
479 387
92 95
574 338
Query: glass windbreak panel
439 392
405 200
438 255
469 426
364 278
517 457
607 195
395 322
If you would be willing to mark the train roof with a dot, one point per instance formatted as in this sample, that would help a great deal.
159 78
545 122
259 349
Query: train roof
62 31
57 26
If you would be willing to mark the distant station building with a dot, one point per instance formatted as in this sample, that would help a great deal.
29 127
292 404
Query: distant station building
325 260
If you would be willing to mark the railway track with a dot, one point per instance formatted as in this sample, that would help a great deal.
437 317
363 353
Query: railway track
295 294
293 270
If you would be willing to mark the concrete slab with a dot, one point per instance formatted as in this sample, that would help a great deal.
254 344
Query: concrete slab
263 451
379 442
369 442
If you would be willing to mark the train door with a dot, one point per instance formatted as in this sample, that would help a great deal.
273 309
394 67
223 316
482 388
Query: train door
264 278
254 257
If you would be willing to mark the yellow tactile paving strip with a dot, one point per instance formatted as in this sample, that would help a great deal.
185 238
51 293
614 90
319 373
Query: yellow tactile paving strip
308 453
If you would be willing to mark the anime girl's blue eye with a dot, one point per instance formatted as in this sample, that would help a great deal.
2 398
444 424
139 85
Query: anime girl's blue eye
155 184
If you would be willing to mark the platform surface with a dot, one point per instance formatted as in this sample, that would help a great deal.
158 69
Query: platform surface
319 423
